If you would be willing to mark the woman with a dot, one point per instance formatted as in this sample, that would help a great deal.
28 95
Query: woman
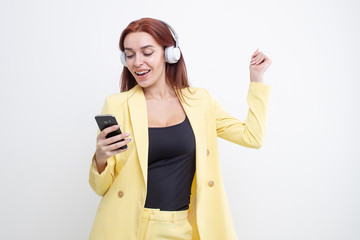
151 190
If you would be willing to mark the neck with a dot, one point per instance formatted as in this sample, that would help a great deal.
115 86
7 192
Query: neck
160 91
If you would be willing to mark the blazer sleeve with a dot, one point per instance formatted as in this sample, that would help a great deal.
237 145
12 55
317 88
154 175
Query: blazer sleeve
101 183
249 133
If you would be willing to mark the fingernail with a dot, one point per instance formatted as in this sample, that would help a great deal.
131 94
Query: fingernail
130 139
127 134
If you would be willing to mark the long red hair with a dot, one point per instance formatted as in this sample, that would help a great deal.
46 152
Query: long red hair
176 74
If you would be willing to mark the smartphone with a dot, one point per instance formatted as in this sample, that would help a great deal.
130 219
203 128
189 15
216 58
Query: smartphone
108 120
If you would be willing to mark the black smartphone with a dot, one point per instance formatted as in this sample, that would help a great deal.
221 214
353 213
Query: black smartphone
108 120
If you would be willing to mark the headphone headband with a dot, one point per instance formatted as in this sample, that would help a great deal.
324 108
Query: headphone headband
172 30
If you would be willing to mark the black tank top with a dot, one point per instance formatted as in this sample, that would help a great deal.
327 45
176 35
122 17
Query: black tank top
171 167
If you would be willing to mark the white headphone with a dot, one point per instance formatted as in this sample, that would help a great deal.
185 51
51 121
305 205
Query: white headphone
172 53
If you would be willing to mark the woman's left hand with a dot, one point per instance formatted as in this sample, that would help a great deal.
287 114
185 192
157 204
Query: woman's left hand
258 65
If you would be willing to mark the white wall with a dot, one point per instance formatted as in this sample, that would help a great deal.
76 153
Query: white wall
59 59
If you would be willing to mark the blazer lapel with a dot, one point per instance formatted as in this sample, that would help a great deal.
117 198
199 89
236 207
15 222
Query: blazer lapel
138 116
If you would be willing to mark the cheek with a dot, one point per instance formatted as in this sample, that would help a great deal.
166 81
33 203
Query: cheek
158 59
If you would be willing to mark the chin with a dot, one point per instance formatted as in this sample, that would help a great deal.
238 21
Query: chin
144 84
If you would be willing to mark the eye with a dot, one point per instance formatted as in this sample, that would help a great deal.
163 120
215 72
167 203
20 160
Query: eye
129 56
148 54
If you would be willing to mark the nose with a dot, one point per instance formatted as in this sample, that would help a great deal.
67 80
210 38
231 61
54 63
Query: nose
138 60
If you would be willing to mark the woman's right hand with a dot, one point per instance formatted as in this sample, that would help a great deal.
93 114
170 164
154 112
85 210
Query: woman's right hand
106 147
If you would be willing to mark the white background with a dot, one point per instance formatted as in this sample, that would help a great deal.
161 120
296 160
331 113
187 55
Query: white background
60 59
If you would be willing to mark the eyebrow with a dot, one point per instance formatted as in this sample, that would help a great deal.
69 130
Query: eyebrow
146 46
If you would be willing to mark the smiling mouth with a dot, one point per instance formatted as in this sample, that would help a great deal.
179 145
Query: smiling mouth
142 72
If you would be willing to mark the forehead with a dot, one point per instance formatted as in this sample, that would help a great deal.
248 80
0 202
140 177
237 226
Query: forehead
137 40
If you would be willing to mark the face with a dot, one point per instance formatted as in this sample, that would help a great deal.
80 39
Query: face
145 59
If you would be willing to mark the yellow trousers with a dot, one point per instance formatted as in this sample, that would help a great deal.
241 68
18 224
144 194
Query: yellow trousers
165 225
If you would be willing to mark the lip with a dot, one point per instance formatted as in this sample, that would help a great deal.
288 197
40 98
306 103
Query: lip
141 70
142 76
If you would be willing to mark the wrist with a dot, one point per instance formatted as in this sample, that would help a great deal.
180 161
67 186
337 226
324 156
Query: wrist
258 80
99 161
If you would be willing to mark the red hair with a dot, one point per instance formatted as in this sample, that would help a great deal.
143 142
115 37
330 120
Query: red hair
176 74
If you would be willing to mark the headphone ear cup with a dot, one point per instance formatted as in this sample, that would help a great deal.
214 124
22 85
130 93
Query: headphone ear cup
123 59
172 54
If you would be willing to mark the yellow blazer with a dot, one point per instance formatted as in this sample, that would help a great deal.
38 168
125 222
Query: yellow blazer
123 182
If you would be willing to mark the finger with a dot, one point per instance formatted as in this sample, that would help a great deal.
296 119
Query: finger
257 55
119 151
106 145
108 130
116 138
254 54
257 58
266 60
260 60
115 146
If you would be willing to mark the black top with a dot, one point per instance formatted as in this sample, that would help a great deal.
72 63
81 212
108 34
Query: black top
171 167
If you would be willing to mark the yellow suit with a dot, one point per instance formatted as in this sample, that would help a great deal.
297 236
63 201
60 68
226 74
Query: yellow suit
123 183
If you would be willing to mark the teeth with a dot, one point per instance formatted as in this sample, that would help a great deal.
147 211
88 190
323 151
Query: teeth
143 72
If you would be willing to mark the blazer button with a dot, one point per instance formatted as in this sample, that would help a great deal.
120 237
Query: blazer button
207 152
120 194
211 183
